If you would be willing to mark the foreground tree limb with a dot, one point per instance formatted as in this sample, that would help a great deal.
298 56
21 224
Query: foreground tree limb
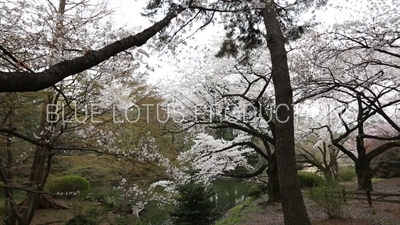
26 81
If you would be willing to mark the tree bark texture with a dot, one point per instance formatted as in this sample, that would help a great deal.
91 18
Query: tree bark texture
294 209
273 181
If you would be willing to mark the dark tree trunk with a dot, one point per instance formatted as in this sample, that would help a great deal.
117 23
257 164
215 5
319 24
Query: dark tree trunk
273 181
364 175
363 169
294 209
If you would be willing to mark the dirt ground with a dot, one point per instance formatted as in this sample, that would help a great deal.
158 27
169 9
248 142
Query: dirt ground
355 212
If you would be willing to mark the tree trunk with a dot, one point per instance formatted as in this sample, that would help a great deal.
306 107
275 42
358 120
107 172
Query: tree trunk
41 165
364 175
294 210
328 175
273 181
35 201
333 163
39 172
6 174
44 202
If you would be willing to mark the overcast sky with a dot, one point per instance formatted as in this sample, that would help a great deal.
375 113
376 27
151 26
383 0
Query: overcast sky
127 14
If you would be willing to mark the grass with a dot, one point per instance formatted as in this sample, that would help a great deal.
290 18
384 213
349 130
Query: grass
101 167
375 180
43 216
238 213
352 185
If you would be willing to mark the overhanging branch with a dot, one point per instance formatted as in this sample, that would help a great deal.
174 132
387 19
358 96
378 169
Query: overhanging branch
261 169
25 81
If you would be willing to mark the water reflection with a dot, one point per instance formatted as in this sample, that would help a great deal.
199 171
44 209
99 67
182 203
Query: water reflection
229 193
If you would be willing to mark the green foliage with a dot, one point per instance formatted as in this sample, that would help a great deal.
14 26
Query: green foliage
81 220
238 213
347 174
329 197
228 48
155 214
308 180
387 169
120 220
194 206
254 192
87 214
374 180
3 210
68 184
154 4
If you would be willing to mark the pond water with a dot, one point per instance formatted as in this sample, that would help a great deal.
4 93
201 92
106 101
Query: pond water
228 193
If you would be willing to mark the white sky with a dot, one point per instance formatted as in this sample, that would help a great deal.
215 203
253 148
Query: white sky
127 14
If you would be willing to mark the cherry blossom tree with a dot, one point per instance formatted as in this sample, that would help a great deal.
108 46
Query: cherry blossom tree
276 18
355 67
239 98
64 105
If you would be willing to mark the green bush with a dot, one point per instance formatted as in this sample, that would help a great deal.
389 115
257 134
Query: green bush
347 174
81 220
308 180
255 192
329 197
194 206
157 215
68 185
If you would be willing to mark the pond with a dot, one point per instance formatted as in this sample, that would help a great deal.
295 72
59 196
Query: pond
228 193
